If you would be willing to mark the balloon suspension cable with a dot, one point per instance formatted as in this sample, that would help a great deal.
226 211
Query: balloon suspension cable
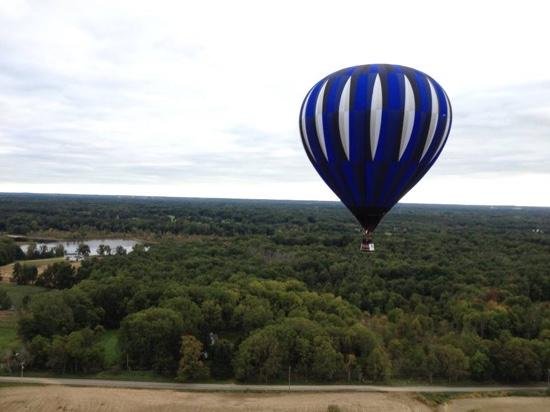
367 245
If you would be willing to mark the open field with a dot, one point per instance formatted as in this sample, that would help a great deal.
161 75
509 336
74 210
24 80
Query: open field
8 318
100 399
501 404
41 264
54 398
18 292
8 332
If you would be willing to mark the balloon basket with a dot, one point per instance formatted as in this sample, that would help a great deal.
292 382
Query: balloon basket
367 245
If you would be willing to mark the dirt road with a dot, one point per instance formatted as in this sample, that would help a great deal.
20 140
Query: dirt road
231 387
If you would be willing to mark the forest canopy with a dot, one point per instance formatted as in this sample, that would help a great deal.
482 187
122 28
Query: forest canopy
251 289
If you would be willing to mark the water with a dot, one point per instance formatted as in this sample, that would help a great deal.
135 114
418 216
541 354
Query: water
71 246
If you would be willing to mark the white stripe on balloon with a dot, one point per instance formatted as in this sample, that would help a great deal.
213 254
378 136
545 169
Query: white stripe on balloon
375 115
343 117
433 119
319 119
408 116
303 122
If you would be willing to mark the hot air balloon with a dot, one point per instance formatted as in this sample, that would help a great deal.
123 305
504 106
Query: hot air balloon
372 132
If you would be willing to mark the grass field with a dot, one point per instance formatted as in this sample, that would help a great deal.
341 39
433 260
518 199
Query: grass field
17 292
8 318
8 330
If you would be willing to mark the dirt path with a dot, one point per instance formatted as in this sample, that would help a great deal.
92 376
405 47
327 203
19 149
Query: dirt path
5 272
56 398
507 404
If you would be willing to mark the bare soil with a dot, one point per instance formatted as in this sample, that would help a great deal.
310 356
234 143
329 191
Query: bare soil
62 398
6 272
504 404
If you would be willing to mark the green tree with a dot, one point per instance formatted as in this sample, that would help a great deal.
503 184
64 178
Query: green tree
190 312
212 316
517 362
260 357
32 251
49 315
252 313
481 367
83 351
60 275
24 274
59 250
120 251
151 339
452 361
83 250
5 301
39 349
326 362
57 354
220 355
378 365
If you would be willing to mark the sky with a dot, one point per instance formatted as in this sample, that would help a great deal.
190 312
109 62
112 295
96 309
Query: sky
201 98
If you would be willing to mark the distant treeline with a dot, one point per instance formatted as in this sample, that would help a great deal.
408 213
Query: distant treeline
297 222
452 293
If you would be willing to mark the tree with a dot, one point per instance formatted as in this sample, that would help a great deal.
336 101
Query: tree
103 250
298 343
252 313
378 365
326 362
83 351
151 339
190 312
39 348
32 251
260 357
191 366
59 250
481 368
212 316
220 356
120 251
83 250
57 354
60 275
9 251
24 274
452 361
49 315
517 362
5 301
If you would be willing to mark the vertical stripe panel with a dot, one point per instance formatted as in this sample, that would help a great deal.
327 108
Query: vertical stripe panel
305 137
343 117
447 125
376 116
433 119
319 119
409 109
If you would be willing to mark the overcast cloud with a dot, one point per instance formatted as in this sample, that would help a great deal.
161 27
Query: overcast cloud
201 98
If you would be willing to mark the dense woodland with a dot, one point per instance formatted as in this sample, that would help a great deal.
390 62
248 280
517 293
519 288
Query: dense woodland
252 289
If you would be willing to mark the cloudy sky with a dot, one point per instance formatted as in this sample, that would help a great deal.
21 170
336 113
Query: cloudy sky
201 98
